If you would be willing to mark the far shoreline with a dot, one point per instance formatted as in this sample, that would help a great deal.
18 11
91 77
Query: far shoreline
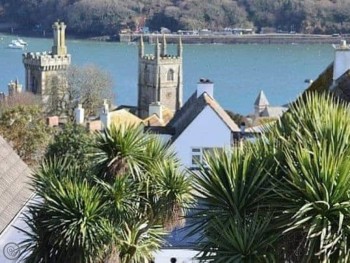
272 38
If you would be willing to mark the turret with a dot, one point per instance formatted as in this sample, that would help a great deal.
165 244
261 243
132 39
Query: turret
59 39
157 49
261 103
164 47
141 48
179 48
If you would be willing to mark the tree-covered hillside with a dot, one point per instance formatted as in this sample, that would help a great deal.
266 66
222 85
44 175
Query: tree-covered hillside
99 17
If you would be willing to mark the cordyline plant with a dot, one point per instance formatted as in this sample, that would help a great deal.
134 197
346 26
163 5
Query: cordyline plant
285 197
118 211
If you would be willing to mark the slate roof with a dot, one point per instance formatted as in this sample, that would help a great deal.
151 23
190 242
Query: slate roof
261 100
192 108
273 111
324 82
14 184
342 86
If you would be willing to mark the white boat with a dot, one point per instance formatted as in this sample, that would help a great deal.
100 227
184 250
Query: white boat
15 45
22 42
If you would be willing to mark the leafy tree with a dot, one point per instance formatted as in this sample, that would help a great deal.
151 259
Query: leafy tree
87 85
24 127
73 142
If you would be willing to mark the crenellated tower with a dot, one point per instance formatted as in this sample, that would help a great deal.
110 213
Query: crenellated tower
160 77
41 67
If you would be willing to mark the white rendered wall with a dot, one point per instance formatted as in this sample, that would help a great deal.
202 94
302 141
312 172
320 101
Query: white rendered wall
341 63
206 130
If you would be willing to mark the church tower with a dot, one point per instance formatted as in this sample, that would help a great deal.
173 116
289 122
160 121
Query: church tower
40 68
160 78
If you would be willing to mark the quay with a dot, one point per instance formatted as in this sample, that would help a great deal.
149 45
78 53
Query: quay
238 39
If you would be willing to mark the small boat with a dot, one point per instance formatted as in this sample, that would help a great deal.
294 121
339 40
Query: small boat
15 45
22 42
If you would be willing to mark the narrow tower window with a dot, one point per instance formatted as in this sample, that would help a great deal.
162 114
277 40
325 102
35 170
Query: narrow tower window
170 76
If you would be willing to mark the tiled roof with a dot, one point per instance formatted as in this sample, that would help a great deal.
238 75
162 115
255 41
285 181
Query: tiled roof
123 116
14 184
154 120
261 100
192 108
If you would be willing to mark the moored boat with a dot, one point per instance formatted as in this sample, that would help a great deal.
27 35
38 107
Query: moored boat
15 45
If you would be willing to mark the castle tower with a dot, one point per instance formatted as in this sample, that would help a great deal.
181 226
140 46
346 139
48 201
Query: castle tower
160 78
341 60
41 68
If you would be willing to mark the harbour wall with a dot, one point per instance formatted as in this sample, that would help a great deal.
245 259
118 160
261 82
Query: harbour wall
239 39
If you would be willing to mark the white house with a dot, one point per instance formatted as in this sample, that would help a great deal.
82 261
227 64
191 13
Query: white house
201 125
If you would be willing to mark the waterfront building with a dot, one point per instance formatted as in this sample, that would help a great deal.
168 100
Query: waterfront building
159 78
42 69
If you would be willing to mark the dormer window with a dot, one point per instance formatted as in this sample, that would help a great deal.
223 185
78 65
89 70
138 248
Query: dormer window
170 75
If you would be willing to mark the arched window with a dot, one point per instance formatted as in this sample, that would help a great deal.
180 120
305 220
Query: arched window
170 75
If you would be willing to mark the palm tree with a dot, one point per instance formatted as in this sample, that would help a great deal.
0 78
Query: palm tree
234 223
156 192
292 185
68 222
117 212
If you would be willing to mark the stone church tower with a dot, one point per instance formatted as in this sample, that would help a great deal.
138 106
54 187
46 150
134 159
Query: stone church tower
41 67
160 78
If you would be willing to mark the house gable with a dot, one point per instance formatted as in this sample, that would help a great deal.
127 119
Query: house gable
207 130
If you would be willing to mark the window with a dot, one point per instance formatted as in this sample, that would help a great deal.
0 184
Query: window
198 155
170 75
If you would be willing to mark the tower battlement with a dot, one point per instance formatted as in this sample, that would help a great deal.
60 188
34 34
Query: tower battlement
163 58
46 60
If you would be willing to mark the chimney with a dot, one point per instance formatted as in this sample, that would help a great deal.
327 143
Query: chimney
105 115
341 59
79 114
205 85
156 108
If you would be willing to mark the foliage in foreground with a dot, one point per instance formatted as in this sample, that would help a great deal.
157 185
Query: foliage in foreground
284 198
119 211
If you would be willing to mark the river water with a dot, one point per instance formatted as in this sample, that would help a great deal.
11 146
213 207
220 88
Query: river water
239 72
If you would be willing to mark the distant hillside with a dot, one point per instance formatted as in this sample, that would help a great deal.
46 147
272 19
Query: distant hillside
103 17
